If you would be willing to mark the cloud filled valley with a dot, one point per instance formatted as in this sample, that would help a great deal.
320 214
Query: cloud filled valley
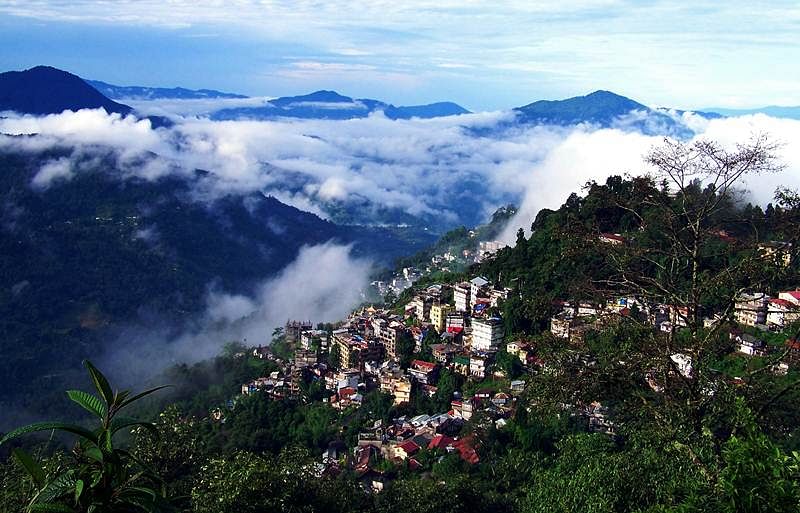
430 174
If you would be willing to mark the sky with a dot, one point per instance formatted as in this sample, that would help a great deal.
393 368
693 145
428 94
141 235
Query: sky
482 55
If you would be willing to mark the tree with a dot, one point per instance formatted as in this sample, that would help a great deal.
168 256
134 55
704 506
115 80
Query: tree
101 477
334 356
678 258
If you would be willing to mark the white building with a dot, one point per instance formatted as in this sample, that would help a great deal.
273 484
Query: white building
751 309
781 312
461 297
475 287
486 334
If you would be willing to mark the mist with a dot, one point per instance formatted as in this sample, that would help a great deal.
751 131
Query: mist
323 284
421 167
586 155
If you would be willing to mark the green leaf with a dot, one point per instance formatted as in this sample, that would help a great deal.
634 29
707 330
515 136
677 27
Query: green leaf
142 394
124 422
49 426
51 508
100 382
88 401
78 490
56 488
94 453
31 467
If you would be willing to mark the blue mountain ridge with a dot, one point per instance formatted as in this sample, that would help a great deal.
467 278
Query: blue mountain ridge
332 105
158 93
47 90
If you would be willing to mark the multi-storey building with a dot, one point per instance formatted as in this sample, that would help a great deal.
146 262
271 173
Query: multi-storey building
461 297
751 309
354 350
487 334
439 316
293 329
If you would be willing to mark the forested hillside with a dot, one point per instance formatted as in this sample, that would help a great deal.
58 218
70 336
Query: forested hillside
90 253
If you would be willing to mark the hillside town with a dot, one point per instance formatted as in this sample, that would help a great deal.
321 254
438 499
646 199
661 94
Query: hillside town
457 329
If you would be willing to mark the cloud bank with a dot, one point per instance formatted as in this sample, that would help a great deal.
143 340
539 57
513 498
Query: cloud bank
322 285
452 170
442 172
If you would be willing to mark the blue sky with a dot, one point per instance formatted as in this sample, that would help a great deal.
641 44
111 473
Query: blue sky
483 55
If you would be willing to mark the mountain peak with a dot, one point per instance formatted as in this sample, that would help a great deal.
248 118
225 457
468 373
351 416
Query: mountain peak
47 90
600 107
322 95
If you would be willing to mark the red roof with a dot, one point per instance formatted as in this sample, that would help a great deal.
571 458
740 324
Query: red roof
793 344
409 447
347 391
612 236
466 450
423 364
782 302
794 293
440 441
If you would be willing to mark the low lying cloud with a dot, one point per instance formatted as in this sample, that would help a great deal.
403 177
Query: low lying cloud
586 155
323 284
445 171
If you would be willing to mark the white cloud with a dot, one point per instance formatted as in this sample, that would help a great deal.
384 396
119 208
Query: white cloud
323 284
425 168
53 170
586 155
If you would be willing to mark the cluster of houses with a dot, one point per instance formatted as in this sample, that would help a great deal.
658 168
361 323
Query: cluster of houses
368 344
755 315
372 345
449 261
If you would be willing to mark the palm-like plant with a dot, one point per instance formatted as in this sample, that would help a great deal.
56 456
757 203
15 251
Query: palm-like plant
104 477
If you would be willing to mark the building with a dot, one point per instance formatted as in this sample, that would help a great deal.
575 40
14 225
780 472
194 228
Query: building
778 252
751 309
489 248
354 350
314 339
388 333
683 363
401 390
561 325
421 307
750 345
455 322
461 297
424 372
439 316
293 329
792 296
614 239
478 363
781 312
487 334
305 358
461 364
476 289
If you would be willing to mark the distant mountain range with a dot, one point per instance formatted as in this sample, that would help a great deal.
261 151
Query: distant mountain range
140 93
46 90
332 105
